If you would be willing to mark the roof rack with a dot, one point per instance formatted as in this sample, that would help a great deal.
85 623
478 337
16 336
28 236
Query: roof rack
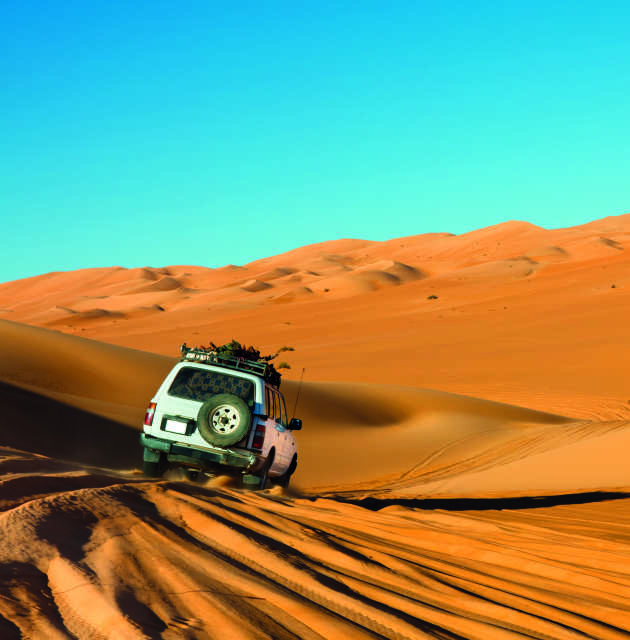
262 369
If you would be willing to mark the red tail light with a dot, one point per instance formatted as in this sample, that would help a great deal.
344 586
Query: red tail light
148 416
259 437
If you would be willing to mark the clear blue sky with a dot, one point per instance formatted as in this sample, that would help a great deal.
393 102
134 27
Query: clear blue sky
156 133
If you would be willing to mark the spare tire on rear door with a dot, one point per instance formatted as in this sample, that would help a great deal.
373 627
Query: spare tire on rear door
224 419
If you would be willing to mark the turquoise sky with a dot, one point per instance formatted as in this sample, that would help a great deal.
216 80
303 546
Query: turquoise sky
155 133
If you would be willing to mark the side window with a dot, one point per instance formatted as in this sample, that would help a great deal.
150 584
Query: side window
269 402
277 407
283 406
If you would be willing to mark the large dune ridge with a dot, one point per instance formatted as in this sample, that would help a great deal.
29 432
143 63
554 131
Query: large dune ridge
463 463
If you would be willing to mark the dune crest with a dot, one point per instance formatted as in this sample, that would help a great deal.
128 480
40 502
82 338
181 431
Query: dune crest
278 272
613 244
253 286
292 295
165 283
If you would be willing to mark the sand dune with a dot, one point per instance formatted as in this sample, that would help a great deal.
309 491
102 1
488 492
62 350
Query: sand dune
49 361
254 286
89 314
518 267
120 274
167 283
277 272
462 467
404 272
368 277
373 279
292 295
613 244
547 254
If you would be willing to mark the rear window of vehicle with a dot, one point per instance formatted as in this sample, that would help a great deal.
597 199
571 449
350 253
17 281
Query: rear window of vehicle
199 385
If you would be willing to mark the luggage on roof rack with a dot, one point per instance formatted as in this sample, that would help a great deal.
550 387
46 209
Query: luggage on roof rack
210 356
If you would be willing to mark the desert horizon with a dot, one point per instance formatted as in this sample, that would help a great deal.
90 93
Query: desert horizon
462 468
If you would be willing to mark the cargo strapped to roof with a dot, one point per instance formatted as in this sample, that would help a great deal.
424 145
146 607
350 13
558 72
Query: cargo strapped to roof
204 356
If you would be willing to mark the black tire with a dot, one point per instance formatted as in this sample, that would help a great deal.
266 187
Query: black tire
285 478
263 474
192 475
224 419
195 476
153 469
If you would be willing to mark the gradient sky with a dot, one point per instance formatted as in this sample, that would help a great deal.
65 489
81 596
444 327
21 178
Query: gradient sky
159 133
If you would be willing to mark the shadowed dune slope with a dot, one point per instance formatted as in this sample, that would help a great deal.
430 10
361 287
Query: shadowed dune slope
46 426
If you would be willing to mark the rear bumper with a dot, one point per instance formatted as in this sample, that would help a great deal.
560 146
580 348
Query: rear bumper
193 456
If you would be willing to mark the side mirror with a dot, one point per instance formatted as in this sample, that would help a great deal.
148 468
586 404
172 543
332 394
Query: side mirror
295 424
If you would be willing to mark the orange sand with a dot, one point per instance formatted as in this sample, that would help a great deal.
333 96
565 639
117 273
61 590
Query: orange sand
462 468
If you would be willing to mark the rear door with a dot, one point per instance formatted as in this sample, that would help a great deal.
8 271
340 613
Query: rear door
182 398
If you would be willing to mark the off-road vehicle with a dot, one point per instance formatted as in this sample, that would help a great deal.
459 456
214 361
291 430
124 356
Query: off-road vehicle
220 414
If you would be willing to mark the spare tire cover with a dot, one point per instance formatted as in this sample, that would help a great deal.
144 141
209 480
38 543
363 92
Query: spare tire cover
224 419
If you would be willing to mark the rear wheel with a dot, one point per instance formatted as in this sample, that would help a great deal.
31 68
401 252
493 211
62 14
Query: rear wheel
264 472
192 475
153 469
154 463
285 478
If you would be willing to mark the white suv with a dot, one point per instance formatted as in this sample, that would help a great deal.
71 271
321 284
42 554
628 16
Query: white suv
219 414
